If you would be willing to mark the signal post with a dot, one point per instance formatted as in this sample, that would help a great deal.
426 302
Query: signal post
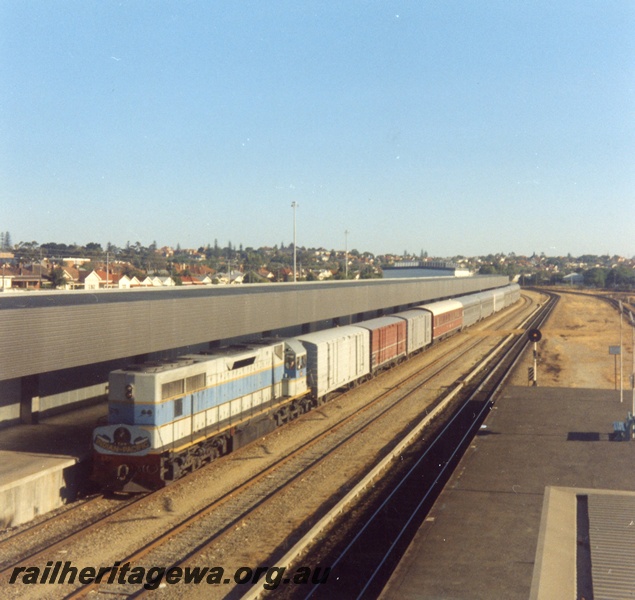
535 336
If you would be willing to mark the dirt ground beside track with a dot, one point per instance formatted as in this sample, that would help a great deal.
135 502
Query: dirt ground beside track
574 350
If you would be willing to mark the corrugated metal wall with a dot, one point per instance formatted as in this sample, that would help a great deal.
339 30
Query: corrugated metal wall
42 332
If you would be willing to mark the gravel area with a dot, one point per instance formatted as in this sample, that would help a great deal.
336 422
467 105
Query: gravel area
574 350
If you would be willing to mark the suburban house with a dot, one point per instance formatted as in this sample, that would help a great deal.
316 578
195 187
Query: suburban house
98 279
125 282
26 279
71 278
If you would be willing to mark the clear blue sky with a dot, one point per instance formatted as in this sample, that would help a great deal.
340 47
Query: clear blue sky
452 127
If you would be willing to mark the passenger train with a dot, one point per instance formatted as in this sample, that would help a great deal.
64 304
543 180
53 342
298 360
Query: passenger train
168 418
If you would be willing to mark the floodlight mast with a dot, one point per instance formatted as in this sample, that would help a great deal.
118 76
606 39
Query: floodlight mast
346 252
621 357
294 205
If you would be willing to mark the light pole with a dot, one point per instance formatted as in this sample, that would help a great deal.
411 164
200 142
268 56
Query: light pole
621 355
346 252
294 205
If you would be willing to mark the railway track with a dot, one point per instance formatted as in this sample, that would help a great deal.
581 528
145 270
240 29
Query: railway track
257 499
36 543
16 535
391 516
195 537
194 552
614 302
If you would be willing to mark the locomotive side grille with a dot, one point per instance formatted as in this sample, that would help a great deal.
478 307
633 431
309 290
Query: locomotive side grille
172 388
196 382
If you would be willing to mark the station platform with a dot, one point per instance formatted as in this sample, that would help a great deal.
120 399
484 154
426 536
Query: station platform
42 466
541 506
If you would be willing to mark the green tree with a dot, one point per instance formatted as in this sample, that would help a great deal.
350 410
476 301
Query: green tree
340 274
487 270
57 278
93 248
28 250
368 272
620 277
131 272
595 277
253 277
556 278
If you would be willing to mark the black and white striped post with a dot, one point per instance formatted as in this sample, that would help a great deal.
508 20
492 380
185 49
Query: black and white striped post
535 336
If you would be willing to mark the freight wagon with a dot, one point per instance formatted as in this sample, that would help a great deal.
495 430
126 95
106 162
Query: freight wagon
471 309
418 329
387 341
336 357
487 303
447 317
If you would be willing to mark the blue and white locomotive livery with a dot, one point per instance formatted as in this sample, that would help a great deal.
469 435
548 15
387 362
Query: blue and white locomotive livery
168 418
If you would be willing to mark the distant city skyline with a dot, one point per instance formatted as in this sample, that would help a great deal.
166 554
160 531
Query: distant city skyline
454 128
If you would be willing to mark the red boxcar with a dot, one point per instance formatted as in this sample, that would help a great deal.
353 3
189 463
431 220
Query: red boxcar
387 340
447 317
